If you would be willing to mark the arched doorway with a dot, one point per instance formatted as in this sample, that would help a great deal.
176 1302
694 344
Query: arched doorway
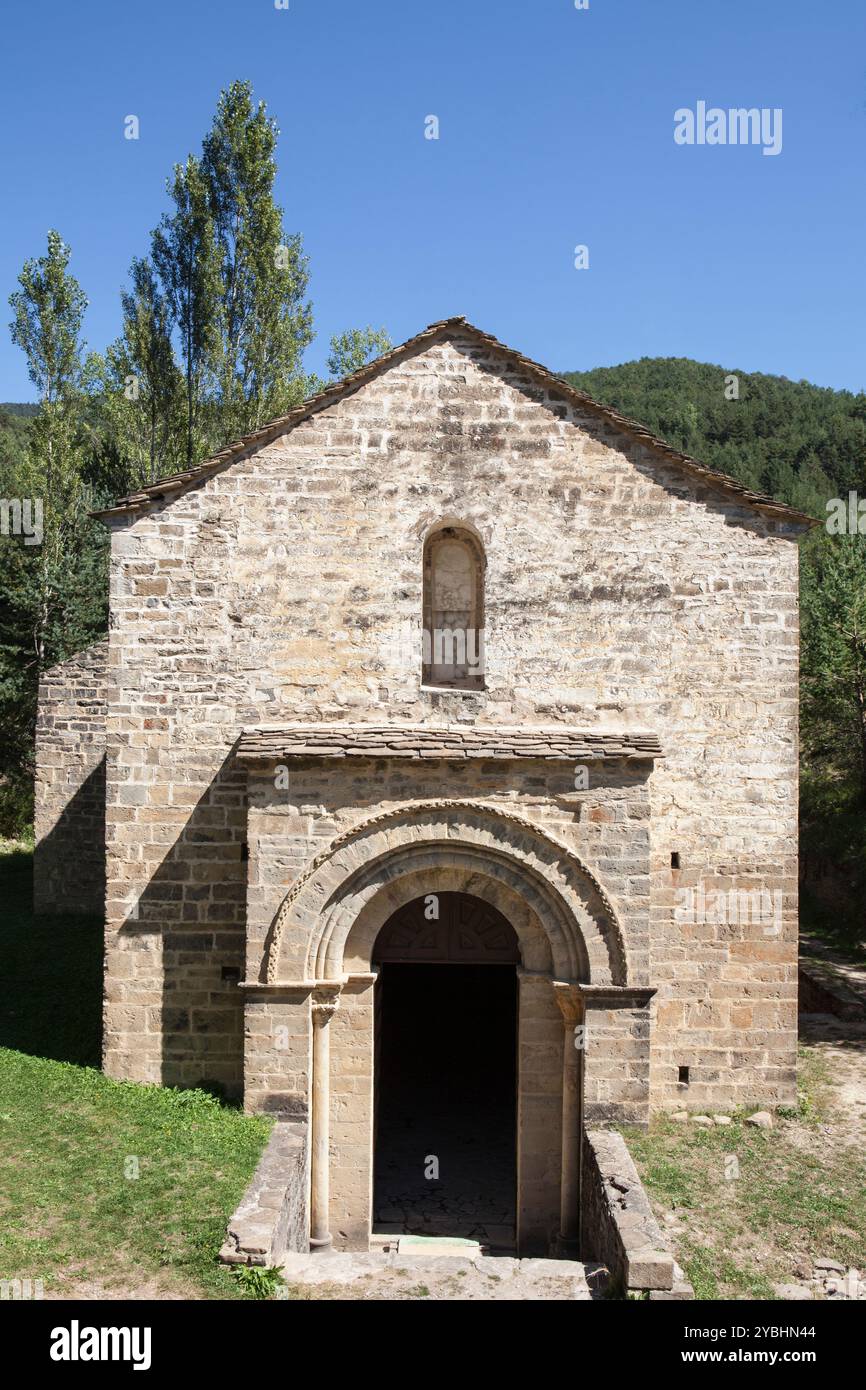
446 1060
320 971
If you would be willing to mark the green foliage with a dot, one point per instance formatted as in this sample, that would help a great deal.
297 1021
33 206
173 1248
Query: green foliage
259 1281
352 350
264 321
15 428
833 610
52 593
833 730
185 255
48 311
215 324
138 388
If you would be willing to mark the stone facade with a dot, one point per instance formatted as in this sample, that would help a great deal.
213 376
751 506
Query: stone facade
634 603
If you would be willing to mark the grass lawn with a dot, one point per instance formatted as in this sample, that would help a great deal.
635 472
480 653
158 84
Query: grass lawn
105 1187
796 1193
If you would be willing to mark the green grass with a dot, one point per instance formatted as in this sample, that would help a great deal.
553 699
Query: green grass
795 1197
103 1184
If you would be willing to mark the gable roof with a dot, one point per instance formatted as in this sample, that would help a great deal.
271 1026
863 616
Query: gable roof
165 488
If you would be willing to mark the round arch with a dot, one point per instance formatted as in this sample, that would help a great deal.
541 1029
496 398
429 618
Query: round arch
564 919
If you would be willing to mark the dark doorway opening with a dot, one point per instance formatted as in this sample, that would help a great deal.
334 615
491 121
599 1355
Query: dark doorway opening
446 1102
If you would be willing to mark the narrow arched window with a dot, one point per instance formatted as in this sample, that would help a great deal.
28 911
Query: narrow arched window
453 619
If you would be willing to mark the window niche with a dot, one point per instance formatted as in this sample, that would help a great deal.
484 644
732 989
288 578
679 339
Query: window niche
453 616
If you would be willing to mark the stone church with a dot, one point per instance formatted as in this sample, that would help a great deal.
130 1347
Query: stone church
438 778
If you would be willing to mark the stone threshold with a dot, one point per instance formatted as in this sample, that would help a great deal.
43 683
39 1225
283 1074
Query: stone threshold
452 1273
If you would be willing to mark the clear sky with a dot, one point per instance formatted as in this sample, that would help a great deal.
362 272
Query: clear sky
556 129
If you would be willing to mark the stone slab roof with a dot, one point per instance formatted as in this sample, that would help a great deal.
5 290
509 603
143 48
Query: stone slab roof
167 488
449 742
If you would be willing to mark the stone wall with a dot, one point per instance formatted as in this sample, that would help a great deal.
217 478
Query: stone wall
273 1217
618 1227
69 814
619 592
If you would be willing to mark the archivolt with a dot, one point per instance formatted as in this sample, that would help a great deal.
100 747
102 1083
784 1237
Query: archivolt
579 917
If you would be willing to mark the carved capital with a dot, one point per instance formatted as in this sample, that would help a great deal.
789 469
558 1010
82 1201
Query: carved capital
569 997
326 999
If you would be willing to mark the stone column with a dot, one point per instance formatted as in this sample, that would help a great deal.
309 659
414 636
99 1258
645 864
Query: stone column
571 1006
325 1001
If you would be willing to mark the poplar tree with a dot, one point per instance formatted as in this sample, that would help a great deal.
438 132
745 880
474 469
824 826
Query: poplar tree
263 315
141 398
48 313
52 581
352 350
186 260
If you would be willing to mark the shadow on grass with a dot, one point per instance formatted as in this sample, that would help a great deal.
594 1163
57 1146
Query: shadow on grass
51 1004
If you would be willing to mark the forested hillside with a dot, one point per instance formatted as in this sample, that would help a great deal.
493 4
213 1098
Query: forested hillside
801 443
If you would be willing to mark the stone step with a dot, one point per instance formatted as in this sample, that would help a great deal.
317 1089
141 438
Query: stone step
445 1270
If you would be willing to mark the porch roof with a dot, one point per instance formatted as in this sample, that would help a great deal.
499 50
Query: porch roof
451 741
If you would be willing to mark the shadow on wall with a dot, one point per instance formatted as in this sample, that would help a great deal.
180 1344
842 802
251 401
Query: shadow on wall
52 973
69 862
195 903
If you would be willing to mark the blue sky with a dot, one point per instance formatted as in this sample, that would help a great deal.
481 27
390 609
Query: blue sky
556 129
